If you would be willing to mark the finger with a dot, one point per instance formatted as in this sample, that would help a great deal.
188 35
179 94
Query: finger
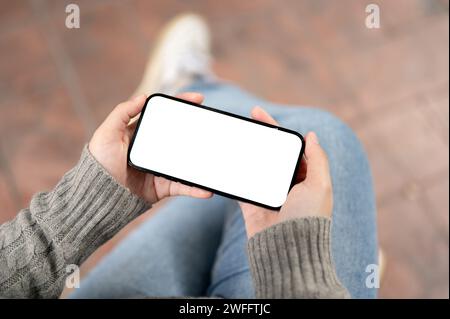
191 97
120 117
177 188
261 115
318 171
301 174
248 209
188 96
131 127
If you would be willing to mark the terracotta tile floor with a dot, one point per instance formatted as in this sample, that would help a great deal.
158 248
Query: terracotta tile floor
390 85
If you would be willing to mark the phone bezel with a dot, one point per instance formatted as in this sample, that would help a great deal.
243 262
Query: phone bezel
173 178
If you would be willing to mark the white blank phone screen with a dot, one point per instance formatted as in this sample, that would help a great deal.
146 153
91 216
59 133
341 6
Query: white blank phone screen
214 150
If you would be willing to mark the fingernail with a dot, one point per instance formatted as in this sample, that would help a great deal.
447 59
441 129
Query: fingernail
194 95
254 109
313 137
261 109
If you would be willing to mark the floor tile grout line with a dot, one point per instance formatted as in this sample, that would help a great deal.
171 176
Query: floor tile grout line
65 67
10 179
433 121
365 112
380 111
411 32
131 12
431 179
394 161
9 29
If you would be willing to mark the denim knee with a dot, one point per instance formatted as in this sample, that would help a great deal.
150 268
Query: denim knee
336 137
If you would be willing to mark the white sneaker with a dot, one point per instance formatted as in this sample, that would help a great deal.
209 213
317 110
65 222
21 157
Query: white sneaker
181 56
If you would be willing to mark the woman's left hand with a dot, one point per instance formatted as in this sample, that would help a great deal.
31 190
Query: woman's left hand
109 145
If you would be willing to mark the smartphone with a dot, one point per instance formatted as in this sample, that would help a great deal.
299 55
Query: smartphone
227 154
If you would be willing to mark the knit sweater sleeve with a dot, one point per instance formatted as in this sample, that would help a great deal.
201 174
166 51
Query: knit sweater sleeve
293 260
63 227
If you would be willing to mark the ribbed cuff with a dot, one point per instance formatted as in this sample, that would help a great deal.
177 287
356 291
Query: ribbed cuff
86 208
293 260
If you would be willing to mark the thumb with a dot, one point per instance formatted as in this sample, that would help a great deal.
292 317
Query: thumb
120 117
318 171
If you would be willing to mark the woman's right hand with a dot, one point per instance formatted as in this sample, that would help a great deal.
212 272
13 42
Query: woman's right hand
311 196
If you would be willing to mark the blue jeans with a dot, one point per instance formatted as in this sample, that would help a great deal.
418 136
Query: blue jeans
194 247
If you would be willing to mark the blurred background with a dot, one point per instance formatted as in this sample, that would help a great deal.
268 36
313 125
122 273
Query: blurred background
391 85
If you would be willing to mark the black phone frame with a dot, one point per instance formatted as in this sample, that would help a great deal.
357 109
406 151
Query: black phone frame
175 179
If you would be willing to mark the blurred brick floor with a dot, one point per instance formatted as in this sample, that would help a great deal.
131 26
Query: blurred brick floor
391 85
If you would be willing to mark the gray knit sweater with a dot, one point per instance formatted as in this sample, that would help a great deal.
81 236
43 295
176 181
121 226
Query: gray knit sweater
88 206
